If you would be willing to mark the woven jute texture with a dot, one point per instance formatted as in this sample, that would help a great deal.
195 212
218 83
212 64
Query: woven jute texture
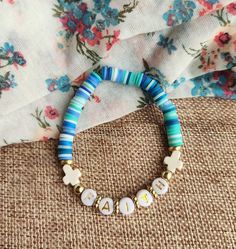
117 159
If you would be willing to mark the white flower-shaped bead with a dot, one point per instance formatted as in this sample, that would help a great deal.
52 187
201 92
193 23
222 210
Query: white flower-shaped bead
71 175
173 161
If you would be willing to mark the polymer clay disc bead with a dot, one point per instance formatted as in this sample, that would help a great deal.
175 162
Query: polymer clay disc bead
126 206
144 198
160 186
88 197
106 206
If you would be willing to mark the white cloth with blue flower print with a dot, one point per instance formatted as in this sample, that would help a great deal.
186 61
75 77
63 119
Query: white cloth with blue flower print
49 45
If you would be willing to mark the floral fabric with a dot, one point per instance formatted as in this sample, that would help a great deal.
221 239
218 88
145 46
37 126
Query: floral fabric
48 47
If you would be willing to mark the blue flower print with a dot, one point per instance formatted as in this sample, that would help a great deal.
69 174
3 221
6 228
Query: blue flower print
88 34
8 47
201 85
225 85
77 12
91 23
99 5
89 19
111 16
63 84
18 59
9 57
231 60
100 25
167 43
180 12
213 1
7 81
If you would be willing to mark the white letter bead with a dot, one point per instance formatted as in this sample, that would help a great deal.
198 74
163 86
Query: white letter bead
144 198
88 197
106 206
126 206
160 186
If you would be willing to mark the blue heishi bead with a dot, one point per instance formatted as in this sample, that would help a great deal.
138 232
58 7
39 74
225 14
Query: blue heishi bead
171 122
68 124
94 79
144 84
168 104
155 91
172 108
127 81
68 157
119 75
65 151
82 94
109 73
104 73
72 132
161 97
85 88
69 143
143 79
153 86
76 114
92 82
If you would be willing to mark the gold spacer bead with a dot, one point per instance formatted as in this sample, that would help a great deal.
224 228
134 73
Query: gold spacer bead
78 189
178 148
97 202
153 192
167 175
136 202
117 208
63 162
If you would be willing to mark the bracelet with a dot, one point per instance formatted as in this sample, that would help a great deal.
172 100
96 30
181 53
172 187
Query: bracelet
160 185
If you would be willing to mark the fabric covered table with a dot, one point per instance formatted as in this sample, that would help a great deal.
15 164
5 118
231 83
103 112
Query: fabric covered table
119 158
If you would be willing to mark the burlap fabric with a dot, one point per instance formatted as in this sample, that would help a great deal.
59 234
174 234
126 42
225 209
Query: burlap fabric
117 159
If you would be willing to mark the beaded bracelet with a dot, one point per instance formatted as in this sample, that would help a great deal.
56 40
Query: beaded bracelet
160 185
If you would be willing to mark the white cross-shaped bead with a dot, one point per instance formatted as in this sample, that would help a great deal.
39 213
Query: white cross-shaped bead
173 161
71 176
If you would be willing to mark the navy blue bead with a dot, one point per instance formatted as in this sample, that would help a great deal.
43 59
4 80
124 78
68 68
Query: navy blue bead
161 97
69 143
171 122
70 133
155 91
65 151
85 89
145 83
127 81
109 73
173 108
143 79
